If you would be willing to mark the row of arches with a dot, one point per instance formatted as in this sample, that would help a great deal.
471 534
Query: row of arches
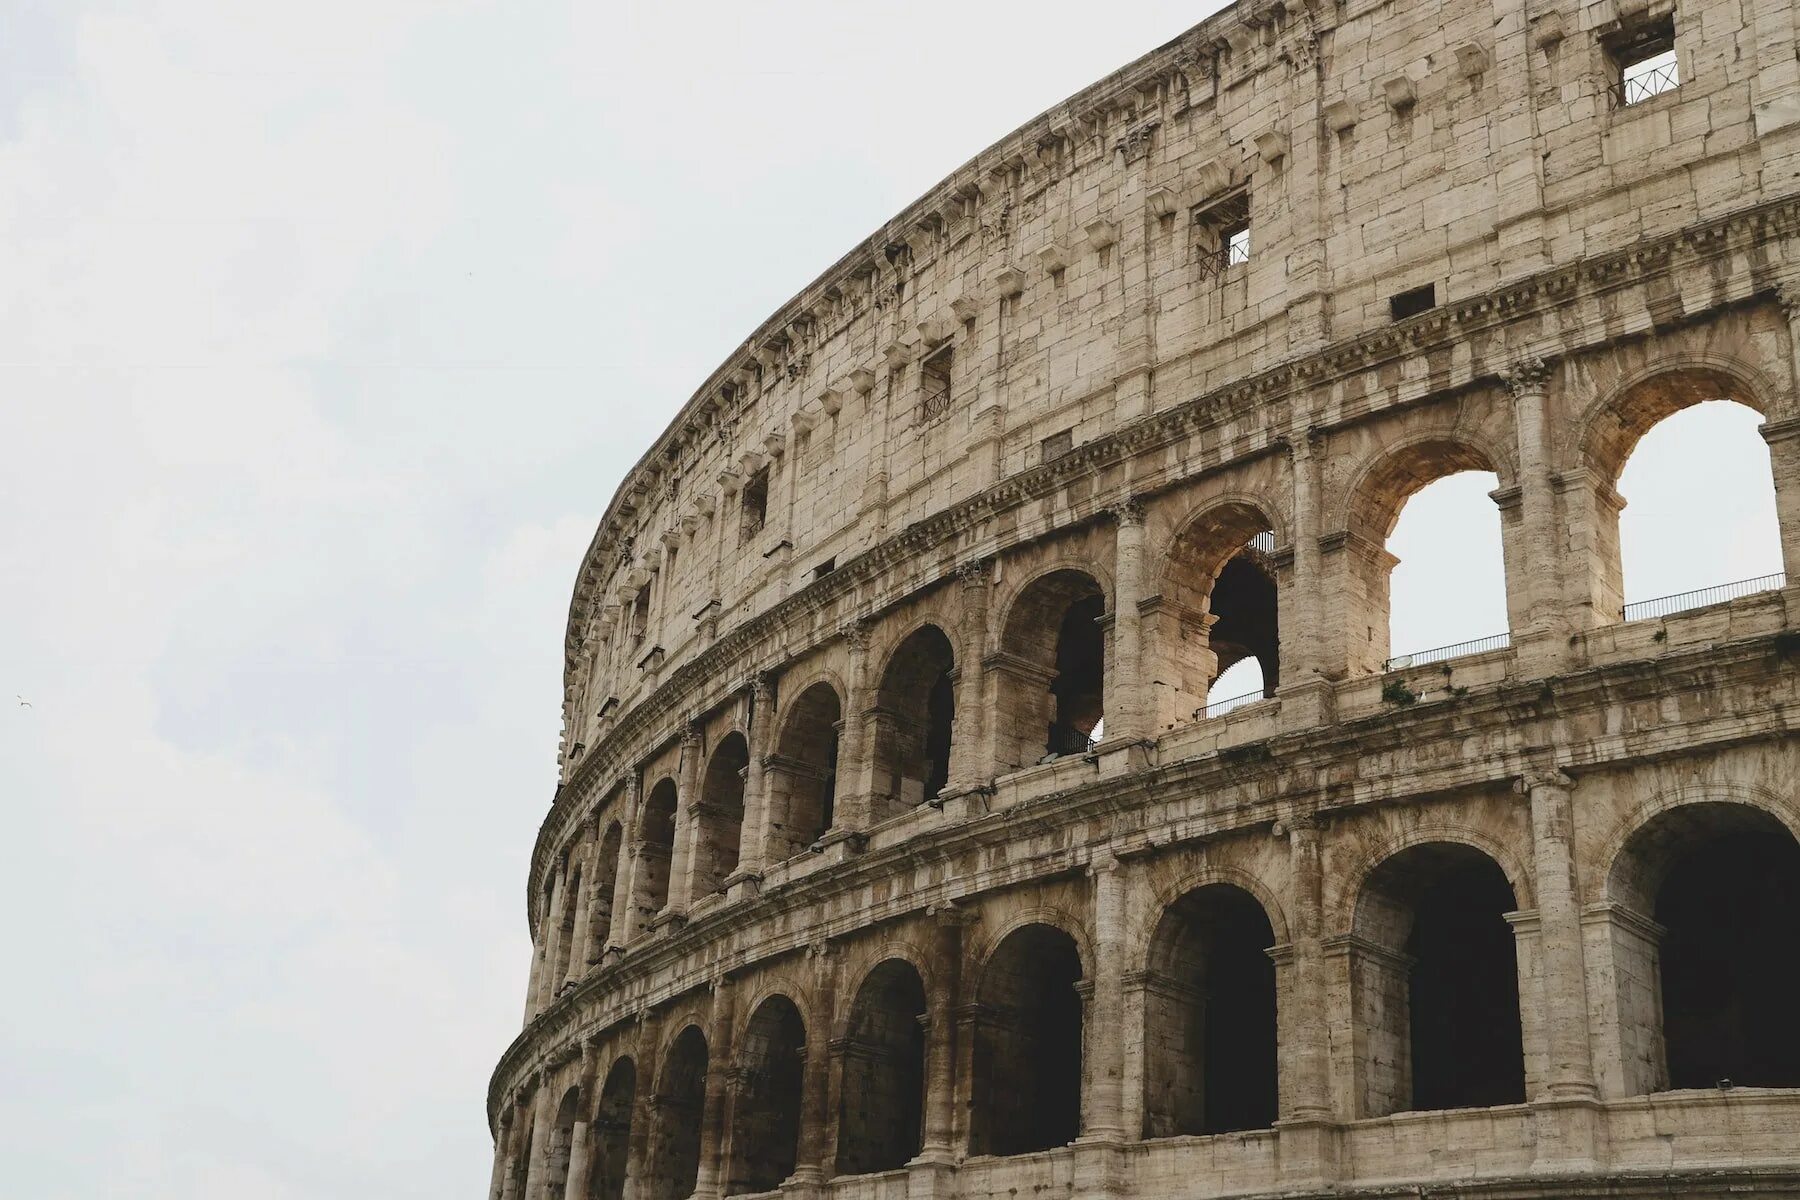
1705 975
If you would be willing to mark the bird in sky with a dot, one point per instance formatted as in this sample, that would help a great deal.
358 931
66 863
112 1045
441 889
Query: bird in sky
23 702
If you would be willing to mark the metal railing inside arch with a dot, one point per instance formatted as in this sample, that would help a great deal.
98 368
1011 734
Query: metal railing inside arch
1419 658
1663 606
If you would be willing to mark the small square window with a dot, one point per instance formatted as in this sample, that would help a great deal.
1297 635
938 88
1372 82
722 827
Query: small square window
1412 302
934 384
1643 61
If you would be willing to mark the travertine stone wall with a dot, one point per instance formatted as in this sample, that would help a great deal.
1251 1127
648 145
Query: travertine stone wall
897 849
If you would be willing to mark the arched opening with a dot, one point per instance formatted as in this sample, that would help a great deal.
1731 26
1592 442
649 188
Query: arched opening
915 714
1707 986
562 1138
1209 1016
1213 632
881 1114
1435 975
611 1135
802 777
606 876
1052 670
565 942
720 815
1424 577
680 1106
1026 1081
765 1142
1701 480
656 843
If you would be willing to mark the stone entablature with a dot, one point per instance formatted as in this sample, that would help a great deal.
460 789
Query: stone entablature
893 791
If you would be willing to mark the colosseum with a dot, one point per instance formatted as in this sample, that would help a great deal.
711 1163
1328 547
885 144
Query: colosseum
903 848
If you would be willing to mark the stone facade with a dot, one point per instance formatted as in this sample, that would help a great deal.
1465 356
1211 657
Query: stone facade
898 851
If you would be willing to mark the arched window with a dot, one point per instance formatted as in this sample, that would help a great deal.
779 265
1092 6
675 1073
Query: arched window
1701 524
611 1136
1435 973
1052 670
914 718
680 1107
881 1113
656 842
1209 1017
1707 985
1212 631
562 1136
1026 1085
765 1144
802 777
1425 575
719 816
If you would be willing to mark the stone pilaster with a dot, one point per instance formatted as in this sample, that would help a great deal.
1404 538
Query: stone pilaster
754 844
941 1034
584 857
1104 1121
967 766
815 1161
1535 608
628 886
1124 702
551 935
580 1153
851 816
709 1181
687 822
542 1115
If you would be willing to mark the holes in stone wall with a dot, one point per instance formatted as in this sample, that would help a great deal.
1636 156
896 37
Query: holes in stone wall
720 815
753 504
656 845
802 777
765 1143
1209 1017
1026 1084
880 1121
1412 302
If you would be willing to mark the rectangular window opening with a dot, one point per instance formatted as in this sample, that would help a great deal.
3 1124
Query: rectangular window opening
755 503
1643 61
1222 233
1412 302
934 384
825 568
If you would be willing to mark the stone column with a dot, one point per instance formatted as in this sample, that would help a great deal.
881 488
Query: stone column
1125 716
968 767
1784 464
815 1162
576 1187
552 934
1303 1038
1565 1001
584 855
709 1181
754 844
940 1034
1106 1041
625 916
851 816
1307 697
502 1154
687 822
542 1115
643 1109
1539 632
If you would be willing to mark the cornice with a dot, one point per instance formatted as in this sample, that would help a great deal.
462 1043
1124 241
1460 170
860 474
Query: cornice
1508 305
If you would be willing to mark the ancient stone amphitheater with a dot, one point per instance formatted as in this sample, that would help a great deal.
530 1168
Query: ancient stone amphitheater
900 851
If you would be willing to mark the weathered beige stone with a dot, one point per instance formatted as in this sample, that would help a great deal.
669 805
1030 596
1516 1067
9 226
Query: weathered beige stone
898 849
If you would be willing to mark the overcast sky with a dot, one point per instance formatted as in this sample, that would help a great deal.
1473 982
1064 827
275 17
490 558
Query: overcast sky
326 332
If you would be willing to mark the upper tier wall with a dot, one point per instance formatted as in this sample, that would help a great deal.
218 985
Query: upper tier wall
1072 276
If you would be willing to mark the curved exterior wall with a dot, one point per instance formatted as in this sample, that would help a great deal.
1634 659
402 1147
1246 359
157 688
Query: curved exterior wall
1047 389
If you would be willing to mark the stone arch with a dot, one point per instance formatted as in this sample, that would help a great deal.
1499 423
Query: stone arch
982 950
765 1137
1051 667
890 950
680 1107
881 1110
1342 919
1026 1063
1216 604
655 845
910 730
719 816
1210 1015
610 1134
1210 875
1702 908
1434 981
801 776
1613 423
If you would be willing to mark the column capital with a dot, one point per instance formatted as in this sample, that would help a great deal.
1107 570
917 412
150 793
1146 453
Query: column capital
689 732
1526 375
975 572
1536 779
1127 513
856 633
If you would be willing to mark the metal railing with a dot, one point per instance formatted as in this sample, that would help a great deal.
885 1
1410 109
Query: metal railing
1662 606
1264 541
1419 658
1218 708
1635 89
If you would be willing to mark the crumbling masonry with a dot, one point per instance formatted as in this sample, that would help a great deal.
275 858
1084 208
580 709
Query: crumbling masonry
899 851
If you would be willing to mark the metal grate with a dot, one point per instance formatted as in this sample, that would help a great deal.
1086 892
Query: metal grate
1662 606
1651 77
1218 708
1419 658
